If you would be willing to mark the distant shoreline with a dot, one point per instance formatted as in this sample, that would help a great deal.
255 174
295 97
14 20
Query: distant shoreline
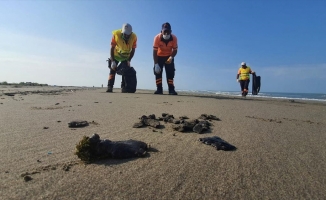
230 95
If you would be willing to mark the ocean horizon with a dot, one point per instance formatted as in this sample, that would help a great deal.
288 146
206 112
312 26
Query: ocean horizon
275 95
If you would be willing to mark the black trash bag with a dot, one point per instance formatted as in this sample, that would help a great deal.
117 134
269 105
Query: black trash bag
130 80
255 84
90 149
122 68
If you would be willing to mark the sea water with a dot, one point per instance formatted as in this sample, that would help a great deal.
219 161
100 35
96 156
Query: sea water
276 95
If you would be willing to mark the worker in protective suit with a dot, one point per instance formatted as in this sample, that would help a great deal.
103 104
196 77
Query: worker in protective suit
123 45
165 49
243 77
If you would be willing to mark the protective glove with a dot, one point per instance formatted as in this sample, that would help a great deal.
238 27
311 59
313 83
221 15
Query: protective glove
237 80
169 60
113 65
128 63
157 68
252 72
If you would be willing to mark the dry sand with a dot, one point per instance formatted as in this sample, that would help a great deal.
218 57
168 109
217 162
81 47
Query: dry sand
280 154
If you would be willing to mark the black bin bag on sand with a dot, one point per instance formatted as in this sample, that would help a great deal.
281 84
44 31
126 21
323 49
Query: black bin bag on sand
255 84
129 77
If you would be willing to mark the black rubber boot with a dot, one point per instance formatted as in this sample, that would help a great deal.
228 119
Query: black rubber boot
159 91
110 89
172 91
124 90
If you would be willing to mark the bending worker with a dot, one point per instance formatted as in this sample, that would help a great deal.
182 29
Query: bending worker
123 45
243 77
165 48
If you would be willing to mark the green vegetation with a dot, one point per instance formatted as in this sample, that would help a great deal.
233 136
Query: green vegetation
87 151
23 84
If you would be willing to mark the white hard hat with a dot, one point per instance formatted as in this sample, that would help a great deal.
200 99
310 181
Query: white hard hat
126 29
243 64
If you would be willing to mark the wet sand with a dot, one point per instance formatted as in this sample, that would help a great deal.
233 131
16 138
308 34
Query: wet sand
280 144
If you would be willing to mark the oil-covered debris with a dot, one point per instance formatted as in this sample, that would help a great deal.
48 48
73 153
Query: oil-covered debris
90 149
181 124
149 120
77 124
218 143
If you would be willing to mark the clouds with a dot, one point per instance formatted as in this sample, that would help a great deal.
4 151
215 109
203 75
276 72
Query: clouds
31 58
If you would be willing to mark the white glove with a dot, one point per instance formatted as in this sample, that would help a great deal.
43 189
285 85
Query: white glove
157 68
237 80
113 65
169 60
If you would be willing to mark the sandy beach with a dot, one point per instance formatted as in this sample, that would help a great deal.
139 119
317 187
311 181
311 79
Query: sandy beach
281 151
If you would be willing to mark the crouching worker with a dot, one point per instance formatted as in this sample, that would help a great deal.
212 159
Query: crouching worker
123 45
165 48
243 77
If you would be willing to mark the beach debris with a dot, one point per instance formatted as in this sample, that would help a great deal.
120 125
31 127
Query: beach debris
218 143
166 117
57 104
45 127
27 178
94 122
66 167
77 124
10 94
182 124
195 125
90 149
149 120
201 126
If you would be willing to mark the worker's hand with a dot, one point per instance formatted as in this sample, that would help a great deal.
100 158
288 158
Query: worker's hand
237 80
169 60
253 72
128 63
113 65
157 68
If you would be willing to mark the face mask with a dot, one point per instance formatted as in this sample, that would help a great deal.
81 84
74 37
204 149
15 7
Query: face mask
166 37
126 37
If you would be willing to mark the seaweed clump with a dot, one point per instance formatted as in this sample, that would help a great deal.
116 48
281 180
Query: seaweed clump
86 150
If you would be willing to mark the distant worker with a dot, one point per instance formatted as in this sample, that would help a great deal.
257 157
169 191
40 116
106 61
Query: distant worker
123 45
165 49
243 77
